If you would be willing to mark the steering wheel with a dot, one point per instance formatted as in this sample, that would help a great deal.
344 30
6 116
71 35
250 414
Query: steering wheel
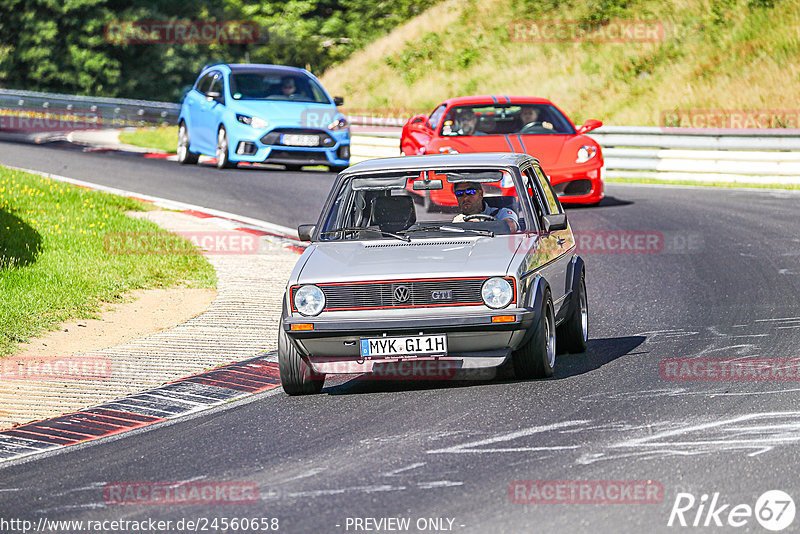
478 217
531 126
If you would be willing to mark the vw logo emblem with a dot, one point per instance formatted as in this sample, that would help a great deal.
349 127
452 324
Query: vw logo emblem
401 293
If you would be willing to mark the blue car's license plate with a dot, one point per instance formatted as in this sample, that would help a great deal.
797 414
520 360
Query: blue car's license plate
299 140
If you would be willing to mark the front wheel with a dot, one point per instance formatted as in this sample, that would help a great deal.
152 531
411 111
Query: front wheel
297 377
223 159
537 357
573 334
185 157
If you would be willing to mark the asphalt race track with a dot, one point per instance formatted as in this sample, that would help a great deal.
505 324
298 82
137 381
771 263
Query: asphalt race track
720 279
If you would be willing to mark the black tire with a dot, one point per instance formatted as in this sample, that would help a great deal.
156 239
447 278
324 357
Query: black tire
297 377
223 154
573 335
293 168
185 157
537 357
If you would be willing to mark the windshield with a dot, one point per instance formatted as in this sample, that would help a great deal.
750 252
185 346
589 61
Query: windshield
424 203
523 119
273 84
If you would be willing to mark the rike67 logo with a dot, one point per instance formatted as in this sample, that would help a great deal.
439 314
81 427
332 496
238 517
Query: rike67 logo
774 510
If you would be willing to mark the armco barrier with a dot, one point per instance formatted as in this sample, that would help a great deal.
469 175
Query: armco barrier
753 156
110 112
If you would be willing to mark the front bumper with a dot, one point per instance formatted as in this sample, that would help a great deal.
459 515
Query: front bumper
246 145
473 340
583 187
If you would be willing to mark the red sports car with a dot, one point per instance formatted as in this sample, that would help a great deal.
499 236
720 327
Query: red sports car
535 126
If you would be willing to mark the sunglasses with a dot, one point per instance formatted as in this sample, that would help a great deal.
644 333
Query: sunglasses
471 191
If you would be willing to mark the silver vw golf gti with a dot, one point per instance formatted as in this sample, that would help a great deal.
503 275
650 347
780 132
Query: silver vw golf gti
467 261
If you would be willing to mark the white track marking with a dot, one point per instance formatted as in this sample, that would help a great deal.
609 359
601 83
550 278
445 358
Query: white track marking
470 447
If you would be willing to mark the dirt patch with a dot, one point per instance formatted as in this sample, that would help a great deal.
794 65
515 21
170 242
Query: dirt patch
144 312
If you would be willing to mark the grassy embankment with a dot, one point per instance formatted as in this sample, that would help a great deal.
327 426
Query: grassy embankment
55 262
715 54
161 138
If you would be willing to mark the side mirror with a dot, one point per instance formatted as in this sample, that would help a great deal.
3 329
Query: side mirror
305 231
555 221
215 96
589 125
338 100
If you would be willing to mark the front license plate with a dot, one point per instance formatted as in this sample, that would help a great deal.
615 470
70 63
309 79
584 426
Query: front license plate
300 140
402 346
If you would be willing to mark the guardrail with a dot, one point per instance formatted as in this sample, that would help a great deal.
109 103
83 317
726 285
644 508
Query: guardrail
757 155
105 112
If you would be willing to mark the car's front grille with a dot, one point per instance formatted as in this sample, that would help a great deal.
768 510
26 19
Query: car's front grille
573 188
403 294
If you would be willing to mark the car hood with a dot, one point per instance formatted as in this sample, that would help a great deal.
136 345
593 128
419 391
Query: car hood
282 113
546 148
398 260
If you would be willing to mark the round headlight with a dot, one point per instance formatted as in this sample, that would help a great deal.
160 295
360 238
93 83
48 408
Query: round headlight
309 300
497 292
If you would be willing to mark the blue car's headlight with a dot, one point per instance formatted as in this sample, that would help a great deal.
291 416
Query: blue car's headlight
340 123
255 122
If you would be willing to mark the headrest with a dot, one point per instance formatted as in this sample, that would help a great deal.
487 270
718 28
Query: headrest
393 214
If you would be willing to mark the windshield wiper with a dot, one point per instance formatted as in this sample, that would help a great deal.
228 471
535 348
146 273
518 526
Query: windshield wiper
361 229
445 228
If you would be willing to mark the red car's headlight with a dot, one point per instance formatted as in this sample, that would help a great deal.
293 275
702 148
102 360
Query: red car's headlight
585 153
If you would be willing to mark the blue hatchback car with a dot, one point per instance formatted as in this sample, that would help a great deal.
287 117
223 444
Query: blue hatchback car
262 113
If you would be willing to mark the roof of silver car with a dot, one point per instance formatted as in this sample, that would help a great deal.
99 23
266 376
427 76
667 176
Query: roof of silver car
440 161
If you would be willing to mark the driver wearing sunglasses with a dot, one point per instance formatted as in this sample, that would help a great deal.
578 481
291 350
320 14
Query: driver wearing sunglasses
469 196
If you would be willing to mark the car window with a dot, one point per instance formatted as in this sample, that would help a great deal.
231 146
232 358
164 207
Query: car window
504 119
436 116
217 85
276 84
418 203
551 202
205 82
538 203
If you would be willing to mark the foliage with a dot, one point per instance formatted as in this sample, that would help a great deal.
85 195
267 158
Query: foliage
55 46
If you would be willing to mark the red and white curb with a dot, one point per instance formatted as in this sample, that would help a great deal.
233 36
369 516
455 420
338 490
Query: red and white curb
171 401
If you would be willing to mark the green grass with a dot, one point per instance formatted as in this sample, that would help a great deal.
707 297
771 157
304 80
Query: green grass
161 138
55 260
734 185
